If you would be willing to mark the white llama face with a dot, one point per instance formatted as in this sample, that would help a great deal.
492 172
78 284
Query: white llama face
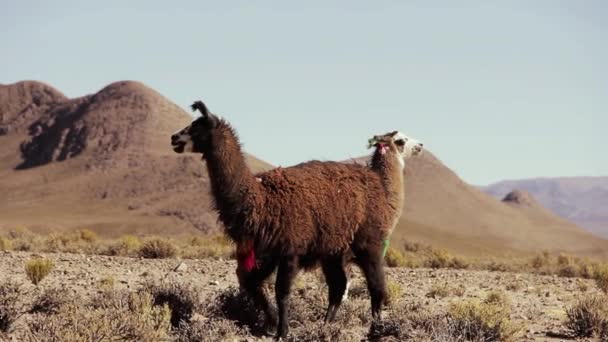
408 147
398 142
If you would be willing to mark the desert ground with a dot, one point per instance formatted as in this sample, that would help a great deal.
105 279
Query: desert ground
421 298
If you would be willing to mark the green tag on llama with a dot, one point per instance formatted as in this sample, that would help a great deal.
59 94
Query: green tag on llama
385 244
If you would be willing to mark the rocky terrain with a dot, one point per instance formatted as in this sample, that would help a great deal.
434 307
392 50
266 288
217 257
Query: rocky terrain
538 303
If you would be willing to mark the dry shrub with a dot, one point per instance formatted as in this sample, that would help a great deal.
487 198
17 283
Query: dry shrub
182 299
439 291
395 258
541 261
210 330
394 291
409 322
128 245
234 305
440 258
21 239
157 248
215 247
51 301
107 283
124 317
588 317
11 305
319 331
36 269
482 321
77 241
601 277
5 244
414 247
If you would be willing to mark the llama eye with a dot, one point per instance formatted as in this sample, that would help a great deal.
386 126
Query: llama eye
400 142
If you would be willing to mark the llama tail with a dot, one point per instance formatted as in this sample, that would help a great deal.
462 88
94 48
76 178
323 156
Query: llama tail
200 106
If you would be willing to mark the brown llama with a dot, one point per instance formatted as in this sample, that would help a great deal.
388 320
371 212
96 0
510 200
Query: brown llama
249 276
296 217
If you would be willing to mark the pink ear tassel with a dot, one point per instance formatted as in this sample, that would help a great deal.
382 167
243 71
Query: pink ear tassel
383 149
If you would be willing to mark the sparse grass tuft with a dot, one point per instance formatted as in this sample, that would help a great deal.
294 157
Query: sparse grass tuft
36 269
183 300
482 321
394 291
107 283
127 245
395 258
215 247
122 317
157 248
51 301
601 277
439 291
77 241
5 244
588 317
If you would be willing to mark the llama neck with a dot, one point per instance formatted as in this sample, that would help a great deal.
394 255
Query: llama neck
233 186
390 168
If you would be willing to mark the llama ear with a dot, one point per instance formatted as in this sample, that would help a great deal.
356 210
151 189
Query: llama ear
200 106
206 114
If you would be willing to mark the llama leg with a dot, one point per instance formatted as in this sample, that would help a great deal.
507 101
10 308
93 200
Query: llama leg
371 265
335 277
253 282
288 269
348 272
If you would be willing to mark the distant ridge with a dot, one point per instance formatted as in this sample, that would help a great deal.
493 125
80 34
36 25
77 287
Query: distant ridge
582 200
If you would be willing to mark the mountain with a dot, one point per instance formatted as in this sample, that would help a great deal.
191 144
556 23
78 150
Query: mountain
103 161
582 200
444 211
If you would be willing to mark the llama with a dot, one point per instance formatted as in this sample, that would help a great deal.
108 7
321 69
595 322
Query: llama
296 217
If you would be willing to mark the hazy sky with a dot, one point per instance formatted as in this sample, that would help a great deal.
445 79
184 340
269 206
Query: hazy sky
511 90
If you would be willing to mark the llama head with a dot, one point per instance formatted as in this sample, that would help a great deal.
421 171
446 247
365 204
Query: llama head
194 137
396 142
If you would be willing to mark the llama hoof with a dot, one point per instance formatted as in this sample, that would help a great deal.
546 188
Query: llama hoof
270 329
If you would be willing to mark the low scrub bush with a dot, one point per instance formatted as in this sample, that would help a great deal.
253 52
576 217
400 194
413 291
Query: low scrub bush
482 321
601 277
37 269
183 300
588 317
215 247
51 301
395 258
124 317
11 305
157 248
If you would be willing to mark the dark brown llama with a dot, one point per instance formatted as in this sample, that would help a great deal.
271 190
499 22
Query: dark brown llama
250 277
296 217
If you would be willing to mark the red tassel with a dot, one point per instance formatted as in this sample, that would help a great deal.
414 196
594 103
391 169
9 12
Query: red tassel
246 255
249 262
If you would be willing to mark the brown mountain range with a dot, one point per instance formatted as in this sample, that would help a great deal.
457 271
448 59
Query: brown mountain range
103 161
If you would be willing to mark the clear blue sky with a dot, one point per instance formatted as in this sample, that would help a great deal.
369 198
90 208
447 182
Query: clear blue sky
510 90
